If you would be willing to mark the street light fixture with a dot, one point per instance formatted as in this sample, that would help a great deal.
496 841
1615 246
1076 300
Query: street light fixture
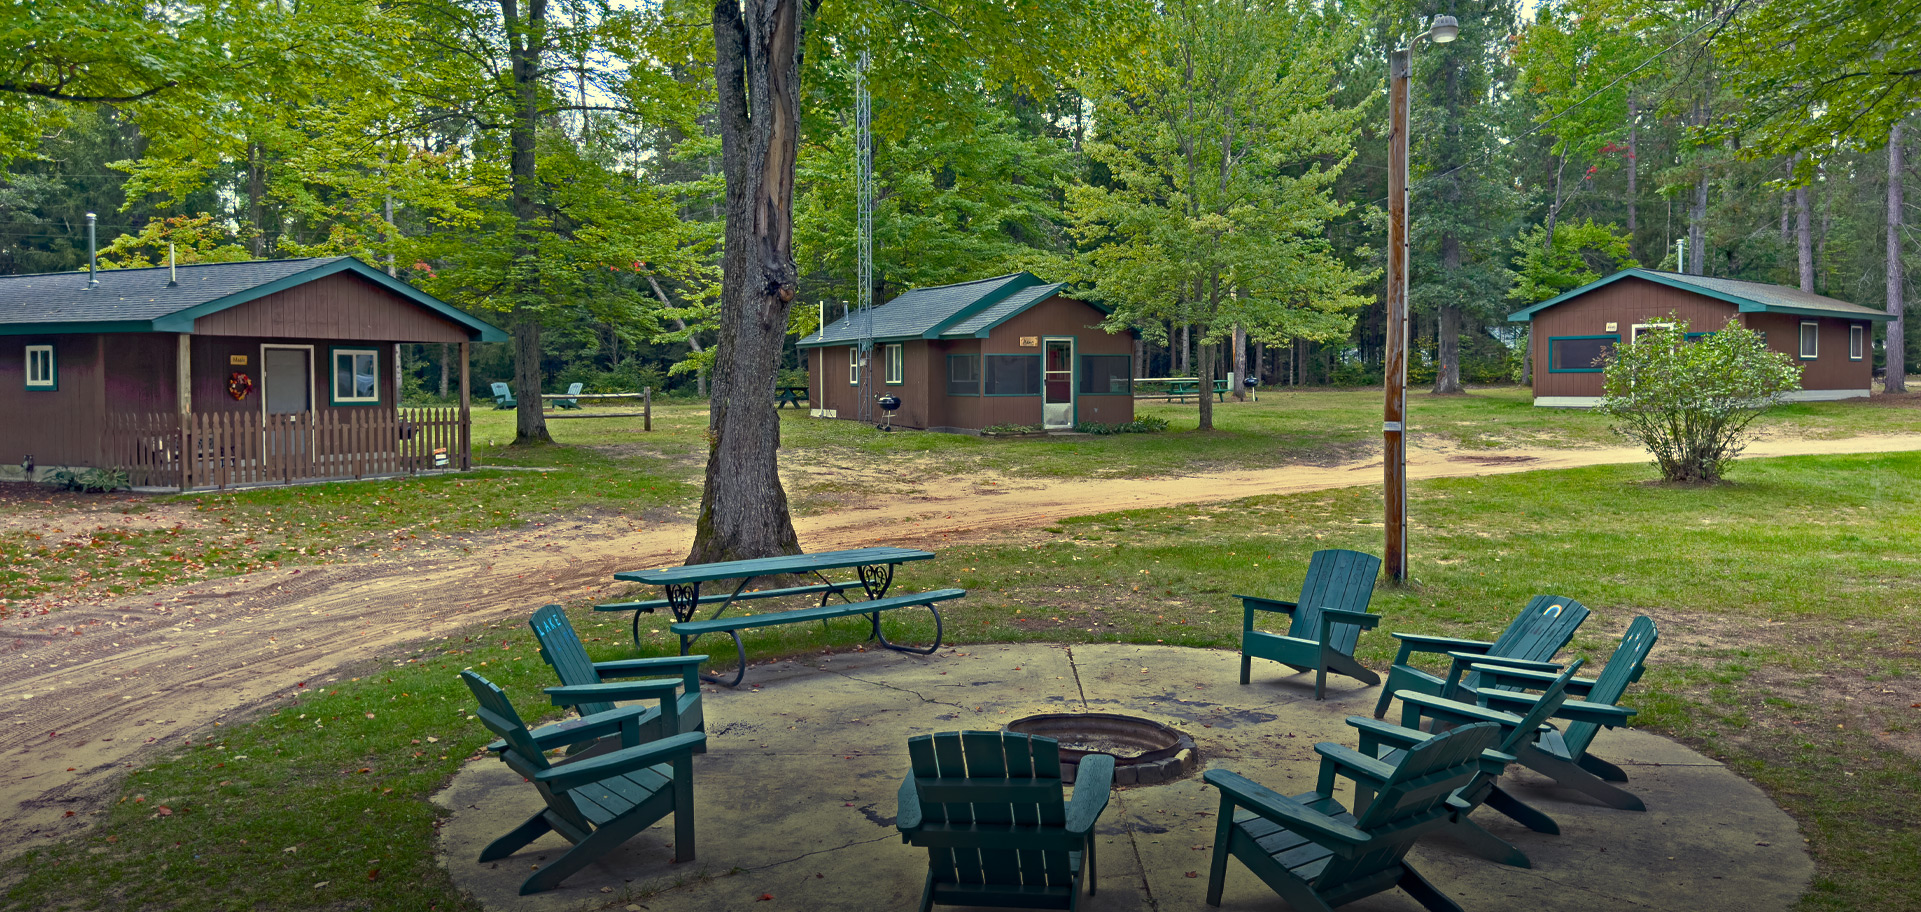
1442 30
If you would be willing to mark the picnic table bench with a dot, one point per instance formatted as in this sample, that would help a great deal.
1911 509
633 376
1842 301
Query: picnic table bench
1180 388
874 567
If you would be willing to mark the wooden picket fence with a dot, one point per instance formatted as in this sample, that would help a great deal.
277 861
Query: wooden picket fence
226 449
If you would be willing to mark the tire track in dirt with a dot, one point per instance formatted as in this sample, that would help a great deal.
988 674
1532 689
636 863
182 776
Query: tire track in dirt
94 688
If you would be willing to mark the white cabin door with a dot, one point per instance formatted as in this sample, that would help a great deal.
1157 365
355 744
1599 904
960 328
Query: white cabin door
1057 384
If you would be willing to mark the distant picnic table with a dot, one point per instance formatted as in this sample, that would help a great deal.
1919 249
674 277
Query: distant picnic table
874 571
790 395
1177 388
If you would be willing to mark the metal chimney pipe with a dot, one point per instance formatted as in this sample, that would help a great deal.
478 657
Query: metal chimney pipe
173 269
91 280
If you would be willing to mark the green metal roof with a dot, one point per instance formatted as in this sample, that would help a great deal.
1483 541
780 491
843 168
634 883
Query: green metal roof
940 311
1747 297
141 300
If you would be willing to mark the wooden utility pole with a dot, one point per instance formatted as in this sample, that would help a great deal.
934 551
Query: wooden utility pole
1394 415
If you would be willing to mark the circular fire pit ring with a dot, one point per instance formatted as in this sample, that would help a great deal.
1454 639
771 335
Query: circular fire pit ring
1145 752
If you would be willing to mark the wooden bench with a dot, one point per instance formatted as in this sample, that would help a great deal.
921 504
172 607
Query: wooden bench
824 590
732 626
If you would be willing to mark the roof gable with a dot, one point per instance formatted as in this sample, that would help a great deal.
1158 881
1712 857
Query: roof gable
923 313
142 300
1748 297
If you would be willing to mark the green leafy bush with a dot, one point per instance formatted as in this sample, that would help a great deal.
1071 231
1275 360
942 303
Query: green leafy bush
1147 424
93 481
1690 402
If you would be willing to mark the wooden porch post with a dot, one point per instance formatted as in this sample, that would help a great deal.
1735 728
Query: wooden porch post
183 394
466 418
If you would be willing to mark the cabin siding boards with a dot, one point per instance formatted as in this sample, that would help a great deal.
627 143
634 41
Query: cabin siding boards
1629 299
339 307
981 319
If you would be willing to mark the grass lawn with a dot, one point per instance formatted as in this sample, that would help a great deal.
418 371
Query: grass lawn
56 547
1787 601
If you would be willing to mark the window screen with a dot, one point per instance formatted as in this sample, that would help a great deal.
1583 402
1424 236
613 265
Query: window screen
963 375
896 374
1810 340
1105 373
1013 375
1857 342
41 373
1578 354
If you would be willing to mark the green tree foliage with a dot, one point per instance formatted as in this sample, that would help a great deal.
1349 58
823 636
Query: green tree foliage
1691 402
1575 255
1222 151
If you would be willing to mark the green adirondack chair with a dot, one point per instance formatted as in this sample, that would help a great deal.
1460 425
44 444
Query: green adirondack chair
1535 635
1327 621
600 802
573 389
1388 743
1315 854
1562 755
586 683
504 397
988 808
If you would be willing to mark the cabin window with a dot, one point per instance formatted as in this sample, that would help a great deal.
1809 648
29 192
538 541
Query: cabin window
1106 374
1013 375
42 373
853 366
963 375
1810 340
1635 331
1857 342
356 376
896 372
1579 354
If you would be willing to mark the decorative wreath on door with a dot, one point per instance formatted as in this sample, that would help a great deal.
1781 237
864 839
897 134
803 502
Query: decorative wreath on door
239 385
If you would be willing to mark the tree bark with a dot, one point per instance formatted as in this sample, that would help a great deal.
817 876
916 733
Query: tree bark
1447 335
1527 357
743 508
1698 227
446 355
1634 199
1240 364
1804 237
524 42
257 200
1896 344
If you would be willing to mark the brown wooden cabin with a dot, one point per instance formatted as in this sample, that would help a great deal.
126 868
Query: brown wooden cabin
1010 350
1831 339
219 374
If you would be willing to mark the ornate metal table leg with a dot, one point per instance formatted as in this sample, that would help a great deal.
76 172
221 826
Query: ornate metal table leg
929 650
682 600
876 578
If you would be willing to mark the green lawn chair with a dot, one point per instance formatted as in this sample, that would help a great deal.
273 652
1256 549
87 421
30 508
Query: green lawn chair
596 803
1315 854
1327 621
1388 743
504 397
1562 755
988 808
573 389
586 684
1534 636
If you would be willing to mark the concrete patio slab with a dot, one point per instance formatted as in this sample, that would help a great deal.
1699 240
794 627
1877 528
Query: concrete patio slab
795 799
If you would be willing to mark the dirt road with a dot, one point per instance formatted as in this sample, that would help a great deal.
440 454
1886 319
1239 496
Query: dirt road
88 689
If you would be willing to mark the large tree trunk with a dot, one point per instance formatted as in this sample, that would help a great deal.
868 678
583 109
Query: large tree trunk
1698 228
1896 344
1240 364
1804 237
1527 357
1447 338
1205 356
524 39
1634 163
743 509
257 200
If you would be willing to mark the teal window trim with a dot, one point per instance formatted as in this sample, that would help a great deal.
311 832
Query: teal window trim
333 375
979 377
1690 337
1857 341
894 364
1804 340
1039 374
1553 368
50 381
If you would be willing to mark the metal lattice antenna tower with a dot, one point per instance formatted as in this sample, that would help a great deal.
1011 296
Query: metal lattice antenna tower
864 231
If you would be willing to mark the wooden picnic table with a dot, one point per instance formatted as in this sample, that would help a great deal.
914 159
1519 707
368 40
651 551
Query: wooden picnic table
874 568
791 395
